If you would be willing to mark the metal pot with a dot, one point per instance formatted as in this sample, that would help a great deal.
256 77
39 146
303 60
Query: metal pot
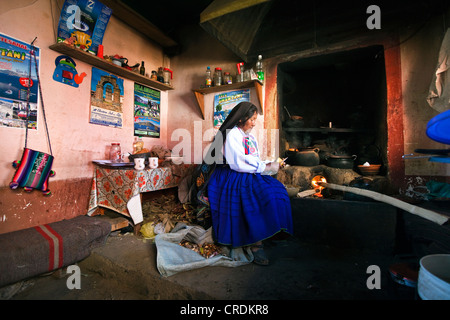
341 162
361 183
307 157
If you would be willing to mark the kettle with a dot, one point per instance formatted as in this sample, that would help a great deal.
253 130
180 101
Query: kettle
66 73
168 75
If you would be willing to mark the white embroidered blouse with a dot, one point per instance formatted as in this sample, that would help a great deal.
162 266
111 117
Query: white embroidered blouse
241 152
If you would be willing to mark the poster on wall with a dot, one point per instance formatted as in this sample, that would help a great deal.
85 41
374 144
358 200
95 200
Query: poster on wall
86 21
14 75
147 103
106 99
225 102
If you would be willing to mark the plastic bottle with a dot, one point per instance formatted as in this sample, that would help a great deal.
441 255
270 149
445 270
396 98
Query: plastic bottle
138 145
142 69
208 79
115 154
218 76
259 69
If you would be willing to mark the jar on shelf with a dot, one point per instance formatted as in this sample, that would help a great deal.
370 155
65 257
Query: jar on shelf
115 154
218 77
227 78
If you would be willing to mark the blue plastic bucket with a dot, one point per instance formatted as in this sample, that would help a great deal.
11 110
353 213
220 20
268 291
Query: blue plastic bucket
434 277
438 128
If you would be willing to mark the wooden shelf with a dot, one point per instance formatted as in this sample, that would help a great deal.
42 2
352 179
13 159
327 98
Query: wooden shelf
108 66
200 93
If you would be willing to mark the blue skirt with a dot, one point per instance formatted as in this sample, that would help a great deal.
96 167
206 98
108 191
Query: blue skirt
247 207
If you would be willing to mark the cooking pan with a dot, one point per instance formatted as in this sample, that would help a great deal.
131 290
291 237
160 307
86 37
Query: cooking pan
340 161
292 117
307 157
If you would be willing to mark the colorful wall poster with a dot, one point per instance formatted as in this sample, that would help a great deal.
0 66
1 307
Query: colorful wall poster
106 99
225 102
86 20
147 103
14 76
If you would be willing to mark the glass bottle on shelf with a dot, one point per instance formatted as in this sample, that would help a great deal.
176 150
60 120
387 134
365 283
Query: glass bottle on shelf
160 75
208 79
259 69
227 78
142 69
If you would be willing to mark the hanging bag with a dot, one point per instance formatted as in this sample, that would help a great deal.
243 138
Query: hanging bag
35 167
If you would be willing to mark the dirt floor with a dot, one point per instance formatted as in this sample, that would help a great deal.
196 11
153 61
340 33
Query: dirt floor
125 269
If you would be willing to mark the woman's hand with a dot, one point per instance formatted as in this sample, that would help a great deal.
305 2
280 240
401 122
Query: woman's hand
272 167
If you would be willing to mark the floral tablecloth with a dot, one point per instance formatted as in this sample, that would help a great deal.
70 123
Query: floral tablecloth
119 189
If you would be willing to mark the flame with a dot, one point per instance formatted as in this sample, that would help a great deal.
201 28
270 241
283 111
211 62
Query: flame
315 184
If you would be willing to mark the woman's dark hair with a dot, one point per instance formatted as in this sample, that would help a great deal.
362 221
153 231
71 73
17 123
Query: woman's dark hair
240 113
251 111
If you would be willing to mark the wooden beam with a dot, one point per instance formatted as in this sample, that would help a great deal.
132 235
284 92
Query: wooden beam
138 22
201 102
219 8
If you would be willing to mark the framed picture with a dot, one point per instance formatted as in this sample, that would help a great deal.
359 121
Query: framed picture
147 102
225 102
14 82
106 99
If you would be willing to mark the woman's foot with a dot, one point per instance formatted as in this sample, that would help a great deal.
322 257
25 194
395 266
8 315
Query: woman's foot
259 255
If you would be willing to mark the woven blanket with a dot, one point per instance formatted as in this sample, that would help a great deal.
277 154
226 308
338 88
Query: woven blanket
34 251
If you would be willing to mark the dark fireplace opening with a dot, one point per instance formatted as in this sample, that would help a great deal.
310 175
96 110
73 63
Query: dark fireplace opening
340 100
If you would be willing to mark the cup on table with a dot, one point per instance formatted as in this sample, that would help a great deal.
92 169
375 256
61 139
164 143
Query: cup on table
153 162
139 163
125 156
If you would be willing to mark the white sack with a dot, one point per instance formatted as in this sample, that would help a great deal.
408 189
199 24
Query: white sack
172 258
439 93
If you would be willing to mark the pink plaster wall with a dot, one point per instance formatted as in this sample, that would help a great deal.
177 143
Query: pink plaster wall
199 51
75 142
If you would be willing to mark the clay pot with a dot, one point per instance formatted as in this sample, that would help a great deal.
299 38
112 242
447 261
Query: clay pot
307 157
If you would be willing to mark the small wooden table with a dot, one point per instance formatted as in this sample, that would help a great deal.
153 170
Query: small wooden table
120 188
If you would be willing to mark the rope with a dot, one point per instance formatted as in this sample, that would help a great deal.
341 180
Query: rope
33 53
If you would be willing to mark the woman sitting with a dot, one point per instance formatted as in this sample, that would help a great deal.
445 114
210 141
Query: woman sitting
247 205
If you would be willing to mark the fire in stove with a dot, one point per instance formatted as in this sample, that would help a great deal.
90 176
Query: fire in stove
315 183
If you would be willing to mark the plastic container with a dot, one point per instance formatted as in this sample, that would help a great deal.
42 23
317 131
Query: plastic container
208 78
138 145
438 128
240 72
218 77
259 69
115 154
434 277
168 75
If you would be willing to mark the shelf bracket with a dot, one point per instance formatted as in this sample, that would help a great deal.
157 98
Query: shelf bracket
200 93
